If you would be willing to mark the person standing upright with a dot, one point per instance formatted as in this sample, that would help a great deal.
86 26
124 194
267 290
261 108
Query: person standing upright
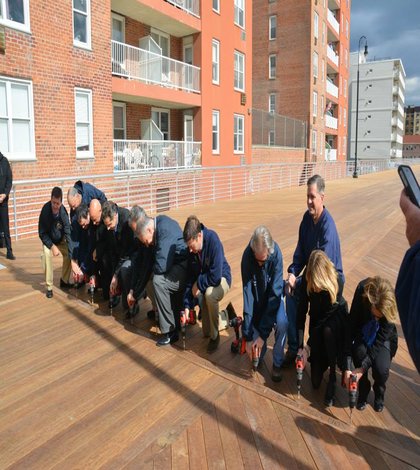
6 178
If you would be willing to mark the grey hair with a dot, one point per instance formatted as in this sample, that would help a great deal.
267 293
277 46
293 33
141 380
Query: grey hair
139 217
261 238
319 181
72 192
109 209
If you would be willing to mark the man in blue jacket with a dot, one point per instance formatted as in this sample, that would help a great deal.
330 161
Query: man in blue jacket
168 268
262 280
317 231
209 277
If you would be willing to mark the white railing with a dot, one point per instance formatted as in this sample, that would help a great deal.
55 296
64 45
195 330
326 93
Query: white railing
333 22
332 55
332 89
136 155
330 121
330 155
190 6
138 64
162 190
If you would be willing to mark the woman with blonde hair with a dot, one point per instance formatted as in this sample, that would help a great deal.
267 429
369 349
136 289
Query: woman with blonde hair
372 338
328 316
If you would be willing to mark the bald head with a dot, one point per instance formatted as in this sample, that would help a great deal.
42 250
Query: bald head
95 211
74 198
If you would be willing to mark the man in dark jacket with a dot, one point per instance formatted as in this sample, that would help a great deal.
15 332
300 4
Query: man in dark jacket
262 280
317 231
119 246
169 267
54 232
6 179
209 277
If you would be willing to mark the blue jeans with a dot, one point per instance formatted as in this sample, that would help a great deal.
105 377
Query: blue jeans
291 308
280 330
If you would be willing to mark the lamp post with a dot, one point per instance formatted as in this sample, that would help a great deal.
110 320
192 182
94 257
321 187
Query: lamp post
355 175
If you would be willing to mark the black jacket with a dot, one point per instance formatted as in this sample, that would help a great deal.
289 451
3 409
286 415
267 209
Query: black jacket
6 178
52 230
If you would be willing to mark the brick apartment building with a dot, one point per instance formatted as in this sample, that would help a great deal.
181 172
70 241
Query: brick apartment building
412 120
301 68
99 86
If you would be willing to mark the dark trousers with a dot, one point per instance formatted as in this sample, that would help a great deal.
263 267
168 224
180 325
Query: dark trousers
124 280
107 265
380 371
4 225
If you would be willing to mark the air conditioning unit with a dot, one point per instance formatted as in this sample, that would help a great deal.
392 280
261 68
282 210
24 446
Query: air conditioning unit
243 99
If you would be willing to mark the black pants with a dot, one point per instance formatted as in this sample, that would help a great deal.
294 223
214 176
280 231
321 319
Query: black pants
325 340
4 225
380 371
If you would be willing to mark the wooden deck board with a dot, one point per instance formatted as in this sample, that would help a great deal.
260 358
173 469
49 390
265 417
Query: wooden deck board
82 390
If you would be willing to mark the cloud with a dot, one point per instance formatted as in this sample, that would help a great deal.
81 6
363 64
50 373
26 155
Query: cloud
412 91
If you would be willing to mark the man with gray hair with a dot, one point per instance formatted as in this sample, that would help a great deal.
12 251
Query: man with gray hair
317 231
262 280
168 267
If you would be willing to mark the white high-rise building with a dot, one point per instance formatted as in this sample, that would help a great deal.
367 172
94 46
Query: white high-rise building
381 108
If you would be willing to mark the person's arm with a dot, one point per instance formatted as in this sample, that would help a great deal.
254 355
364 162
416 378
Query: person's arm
188 300
302 310
248 296
44 229
9 180
165 235
299 260
412 217
66 228
213 276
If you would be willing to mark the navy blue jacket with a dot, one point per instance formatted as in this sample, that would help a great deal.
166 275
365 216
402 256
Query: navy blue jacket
262 290
52 230
88 192
169 245
407 292
208 267
320 236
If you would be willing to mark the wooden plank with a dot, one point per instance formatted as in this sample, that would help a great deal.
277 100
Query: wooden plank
180 458
212 440
196 446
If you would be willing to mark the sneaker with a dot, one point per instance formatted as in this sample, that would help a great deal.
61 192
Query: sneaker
330 393
168 338
10 255
49 294
65 285
213 344
289 360
276 375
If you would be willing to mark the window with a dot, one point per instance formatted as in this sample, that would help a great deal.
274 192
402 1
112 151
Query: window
323 70
118 27
239 71
272 66
271 137
216 6
215 59
15 14
272 27
238 133
344 117
81 23
239 13
161 118
316 25
314 142
315 104
119 120
272 103
17 119
84 124
315 64
216 132
324 29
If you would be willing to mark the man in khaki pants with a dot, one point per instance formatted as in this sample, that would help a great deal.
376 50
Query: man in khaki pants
54 232
209 278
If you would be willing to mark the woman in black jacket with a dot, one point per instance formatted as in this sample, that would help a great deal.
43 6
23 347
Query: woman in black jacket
328 315
371 339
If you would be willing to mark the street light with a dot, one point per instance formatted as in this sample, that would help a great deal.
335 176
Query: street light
355 175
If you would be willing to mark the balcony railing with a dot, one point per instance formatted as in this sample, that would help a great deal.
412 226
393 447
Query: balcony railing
138 64
332 55
330 155
189 6
330 121
137 155
332 89
333 22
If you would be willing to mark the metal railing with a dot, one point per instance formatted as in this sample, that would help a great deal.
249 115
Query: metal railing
331 121
138 64
333 21
276 130
135 155
160 191
190 6
332 55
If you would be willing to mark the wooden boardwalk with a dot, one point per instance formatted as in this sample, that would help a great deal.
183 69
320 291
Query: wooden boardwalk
80 389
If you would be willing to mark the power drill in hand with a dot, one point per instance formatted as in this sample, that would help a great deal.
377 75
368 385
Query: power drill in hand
255 357
352 393
236 324
299 372
183 321
92 285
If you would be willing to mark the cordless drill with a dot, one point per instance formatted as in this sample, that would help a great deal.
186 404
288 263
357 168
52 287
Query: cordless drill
183 321
299 372
352 393
255 357
92 285
236 324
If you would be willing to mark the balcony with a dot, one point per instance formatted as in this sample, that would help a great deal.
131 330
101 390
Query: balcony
331 54
332 89
330 155
330 121
335 25
189 6
141 155
145 66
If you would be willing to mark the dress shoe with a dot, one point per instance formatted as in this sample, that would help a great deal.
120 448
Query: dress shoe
330 393
168 338
65 285
289 359
49 294
10 255
213 344
276 375
361 405
378 406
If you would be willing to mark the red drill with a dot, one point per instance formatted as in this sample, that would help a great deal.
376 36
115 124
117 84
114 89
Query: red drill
236 324
352 393
255 357
299 372
92 285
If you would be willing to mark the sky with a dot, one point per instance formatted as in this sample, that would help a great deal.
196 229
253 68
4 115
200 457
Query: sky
392 29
